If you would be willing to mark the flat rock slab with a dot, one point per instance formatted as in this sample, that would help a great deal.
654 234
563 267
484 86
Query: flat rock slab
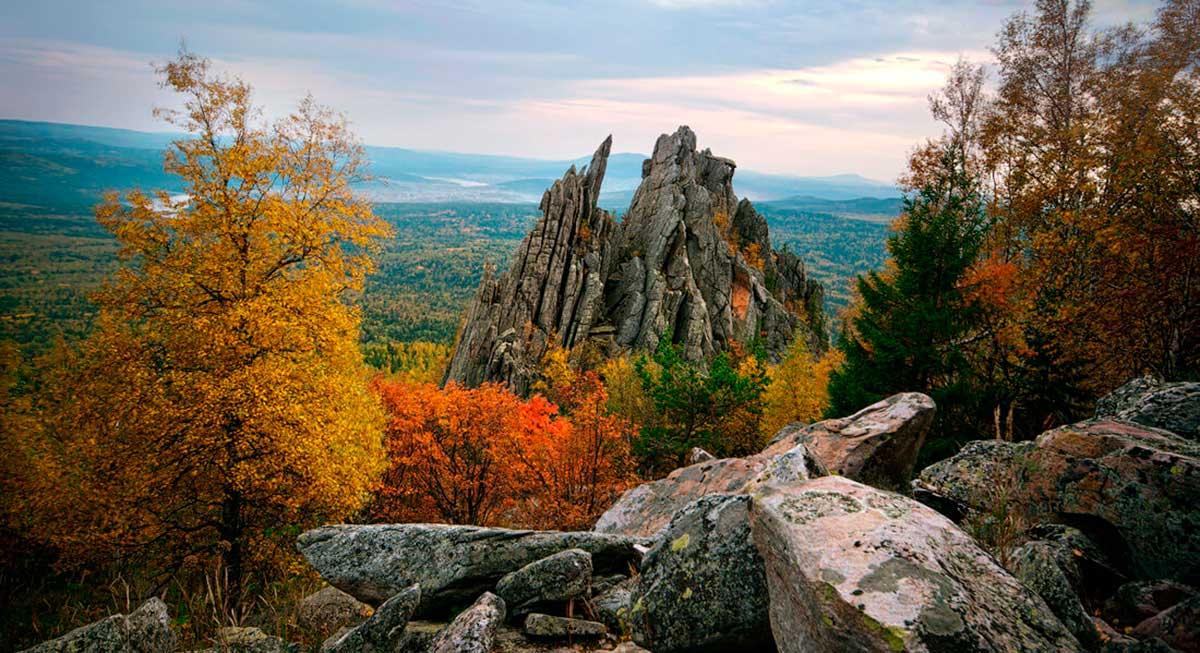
850 567
545 625
452 564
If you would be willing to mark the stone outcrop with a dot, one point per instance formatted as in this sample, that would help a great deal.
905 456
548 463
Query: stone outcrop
702 585
452 564
850 567
687 260
560 577
1173 407
1129 488
878 445
383 630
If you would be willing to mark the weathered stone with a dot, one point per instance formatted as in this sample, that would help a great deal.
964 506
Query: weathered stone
878 445
1036 565
687 260
702 585
418 636
544 625
1178 626
1137 601
563 576
851 567
328 609
1128 488
474 630
145 630
612 606
244 639
452 564
1173 407
644 510
383 630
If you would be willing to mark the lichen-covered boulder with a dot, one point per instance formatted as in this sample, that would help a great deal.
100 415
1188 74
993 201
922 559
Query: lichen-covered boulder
646 509
878 445
452 564
473 630
329 609
702 585
381 632
563 576
851 567
1173 407
1129 488
613 604
554 627
1036 565
145 630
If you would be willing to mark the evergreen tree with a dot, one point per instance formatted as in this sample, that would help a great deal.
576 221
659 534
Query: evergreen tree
912 319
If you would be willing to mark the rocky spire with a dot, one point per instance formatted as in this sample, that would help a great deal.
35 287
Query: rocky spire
552 292
688 261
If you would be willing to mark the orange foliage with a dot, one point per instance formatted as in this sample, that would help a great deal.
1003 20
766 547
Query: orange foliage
484 456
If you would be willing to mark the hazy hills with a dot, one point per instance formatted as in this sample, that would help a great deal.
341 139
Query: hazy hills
54 165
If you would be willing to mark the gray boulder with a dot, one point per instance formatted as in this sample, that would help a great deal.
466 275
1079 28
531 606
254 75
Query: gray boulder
247 639
328 609
850 567
702 585
613 604
381 632
1129 488
1173 407
549 626
878 445
145 630
560 577
452 564
1036 564
474 630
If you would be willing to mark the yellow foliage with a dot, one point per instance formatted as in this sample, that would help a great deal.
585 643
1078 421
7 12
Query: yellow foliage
799 387
221 400
625 394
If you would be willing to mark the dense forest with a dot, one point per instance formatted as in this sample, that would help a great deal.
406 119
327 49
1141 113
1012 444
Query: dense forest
194 376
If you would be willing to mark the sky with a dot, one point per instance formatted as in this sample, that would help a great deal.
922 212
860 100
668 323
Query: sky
806 88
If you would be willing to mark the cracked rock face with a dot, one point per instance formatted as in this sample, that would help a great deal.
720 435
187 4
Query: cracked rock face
688 261
850 567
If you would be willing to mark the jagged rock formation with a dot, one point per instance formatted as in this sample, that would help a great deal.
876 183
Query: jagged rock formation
688 261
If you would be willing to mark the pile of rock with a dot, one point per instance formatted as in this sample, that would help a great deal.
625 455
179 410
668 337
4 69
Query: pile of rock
791 550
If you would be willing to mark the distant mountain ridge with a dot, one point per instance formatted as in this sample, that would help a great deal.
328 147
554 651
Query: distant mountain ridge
59 164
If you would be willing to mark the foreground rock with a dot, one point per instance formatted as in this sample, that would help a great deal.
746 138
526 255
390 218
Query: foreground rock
702 586
850 567
243 639
452 564
473 631
550 626
1130 489
1173 407
383 630
687 259
1040 567
145 630
878 445
560 577
329 609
